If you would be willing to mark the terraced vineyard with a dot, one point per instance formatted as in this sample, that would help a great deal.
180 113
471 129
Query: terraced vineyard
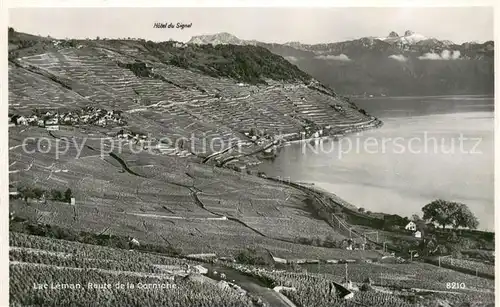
85 275
176 202
156 145
168 192
407 275
471 265
172 101
413 284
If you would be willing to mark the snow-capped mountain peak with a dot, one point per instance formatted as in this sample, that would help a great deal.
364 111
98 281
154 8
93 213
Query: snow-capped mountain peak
222 38
293 44
393 34
409 38
409 33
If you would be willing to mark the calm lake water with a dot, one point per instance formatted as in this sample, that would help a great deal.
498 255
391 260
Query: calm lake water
428 148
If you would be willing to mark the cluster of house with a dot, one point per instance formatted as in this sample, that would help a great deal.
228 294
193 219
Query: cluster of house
52 119
412 226
130 135
309 133
338 108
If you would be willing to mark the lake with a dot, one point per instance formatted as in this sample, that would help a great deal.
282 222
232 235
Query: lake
428 148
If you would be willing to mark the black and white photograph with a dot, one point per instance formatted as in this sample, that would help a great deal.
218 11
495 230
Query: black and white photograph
246 156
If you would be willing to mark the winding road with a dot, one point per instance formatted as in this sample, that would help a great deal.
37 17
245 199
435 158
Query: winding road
250 284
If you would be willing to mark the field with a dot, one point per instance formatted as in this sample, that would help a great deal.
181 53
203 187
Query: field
35 261
176 201
471 265
85 275
168 191
176 177
414 275
413 284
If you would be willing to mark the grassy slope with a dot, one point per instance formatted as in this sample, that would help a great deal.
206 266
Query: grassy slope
36 260
159 204
112 201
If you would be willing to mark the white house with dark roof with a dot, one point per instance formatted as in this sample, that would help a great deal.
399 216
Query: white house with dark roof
411 226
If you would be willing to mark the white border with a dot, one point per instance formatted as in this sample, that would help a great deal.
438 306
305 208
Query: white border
4 163
254 3
496 33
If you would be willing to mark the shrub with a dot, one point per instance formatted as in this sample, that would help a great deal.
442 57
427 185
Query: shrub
54 231
366 287
253 257
67 195
56 195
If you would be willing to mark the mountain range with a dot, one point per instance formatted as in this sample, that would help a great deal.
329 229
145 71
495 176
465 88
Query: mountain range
395 65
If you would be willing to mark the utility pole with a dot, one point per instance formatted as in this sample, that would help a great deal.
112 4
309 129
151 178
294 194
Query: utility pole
346 277
411 254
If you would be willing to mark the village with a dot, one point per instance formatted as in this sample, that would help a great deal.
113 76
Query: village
141 212
53 118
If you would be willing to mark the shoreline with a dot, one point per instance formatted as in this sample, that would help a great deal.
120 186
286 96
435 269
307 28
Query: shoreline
278 170
353 128
430 96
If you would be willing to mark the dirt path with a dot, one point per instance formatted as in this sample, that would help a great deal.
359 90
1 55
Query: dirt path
253 286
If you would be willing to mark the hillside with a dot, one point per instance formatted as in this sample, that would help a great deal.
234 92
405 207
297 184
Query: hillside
141 127
410 64
133 162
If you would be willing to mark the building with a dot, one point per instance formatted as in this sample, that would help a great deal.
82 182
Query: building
73 201
411 226
51 121
417 234
21 120
134 241
13 192
200 269
52 127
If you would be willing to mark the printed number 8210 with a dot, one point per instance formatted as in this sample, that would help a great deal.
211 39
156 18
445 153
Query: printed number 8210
455 285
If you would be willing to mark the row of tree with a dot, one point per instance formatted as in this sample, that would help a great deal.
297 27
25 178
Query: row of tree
27 193
438 212
448 213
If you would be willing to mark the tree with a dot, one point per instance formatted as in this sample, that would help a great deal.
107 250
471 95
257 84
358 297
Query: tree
254 257
56 195
329 241
415 218
446 213
394 220
68 195
38 193
317 242
464 218
361 210
28 193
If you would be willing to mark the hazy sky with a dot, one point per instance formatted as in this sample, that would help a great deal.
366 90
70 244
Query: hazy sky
307 25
